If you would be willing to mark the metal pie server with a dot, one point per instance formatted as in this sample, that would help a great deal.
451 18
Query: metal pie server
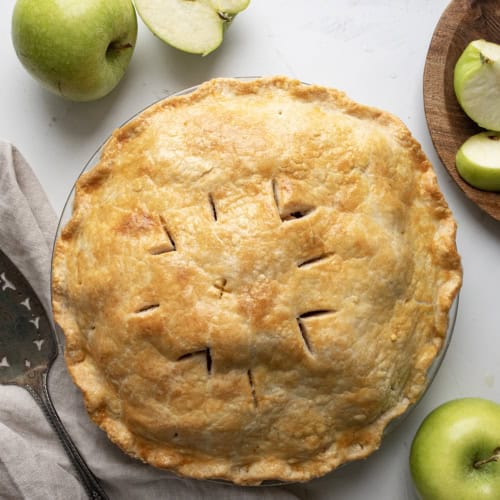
28 347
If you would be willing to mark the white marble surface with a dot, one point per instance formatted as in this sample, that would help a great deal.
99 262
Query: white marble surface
372 49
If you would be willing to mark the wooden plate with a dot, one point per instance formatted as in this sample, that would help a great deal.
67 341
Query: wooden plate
462 22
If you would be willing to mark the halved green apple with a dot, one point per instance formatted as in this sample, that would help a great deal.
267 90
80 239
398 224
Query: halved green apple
195 26
478 161
477 83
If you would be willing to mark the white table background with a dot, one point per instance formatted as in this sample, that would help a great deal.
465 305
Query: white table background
375 51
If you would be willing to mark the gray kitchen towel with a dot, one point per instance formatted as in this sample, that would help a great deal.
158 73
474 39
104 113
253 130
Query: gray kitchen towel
33 464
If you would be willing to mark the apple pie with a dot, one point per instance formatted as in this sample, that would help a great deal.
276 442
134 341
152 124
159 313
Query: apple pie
254 281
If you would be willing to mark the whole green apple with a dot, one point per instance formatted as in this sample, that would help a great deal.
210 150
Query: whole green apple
78 49
455 454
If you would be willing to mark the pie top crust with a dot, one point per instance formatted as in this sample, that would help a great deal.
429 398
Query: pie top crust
255 280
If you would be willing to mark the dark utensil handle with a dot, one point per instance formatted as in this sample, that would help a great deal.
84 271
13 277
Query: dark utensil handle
41 395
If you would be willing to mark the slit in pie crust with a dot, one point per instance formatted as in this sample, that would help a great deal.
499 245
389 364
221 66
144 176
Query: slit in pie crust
255 280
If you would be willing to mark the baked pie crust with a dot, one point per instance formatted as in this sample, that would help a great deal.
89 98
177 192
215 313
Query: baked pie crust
255 280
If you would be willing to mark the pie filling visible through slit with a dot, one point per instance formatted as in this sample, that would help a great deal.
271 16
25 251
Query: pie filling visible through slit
255 280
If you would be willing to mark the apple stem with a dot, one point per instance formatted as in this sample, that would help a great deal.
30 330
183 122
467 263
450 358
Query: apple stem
225 16
494 458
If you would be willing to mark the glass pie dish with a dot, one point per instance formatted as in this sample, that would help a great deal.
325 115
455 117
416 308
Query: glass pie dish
286 209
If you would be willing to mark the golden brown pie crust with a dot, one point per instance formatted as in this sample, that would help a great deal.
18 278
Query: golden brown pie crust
255 280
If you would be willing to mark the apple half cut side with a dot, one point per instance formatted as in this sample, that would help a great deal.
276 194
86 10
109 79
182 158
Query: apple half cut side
476 81
478 161
195 26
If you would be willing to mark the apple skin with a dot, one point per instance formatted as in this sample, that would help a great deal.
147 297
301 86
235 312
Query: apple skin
450 440
76 49
480 176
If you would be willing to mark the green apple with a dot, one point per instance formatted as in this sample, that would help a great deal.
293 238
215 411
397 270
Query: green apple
478 161
78 49
455 454
477 83
195 26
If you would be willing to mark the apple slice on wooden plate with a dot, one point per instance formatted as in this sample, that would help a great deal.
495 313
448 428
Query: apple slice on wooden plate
195 26
478 161
477 83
